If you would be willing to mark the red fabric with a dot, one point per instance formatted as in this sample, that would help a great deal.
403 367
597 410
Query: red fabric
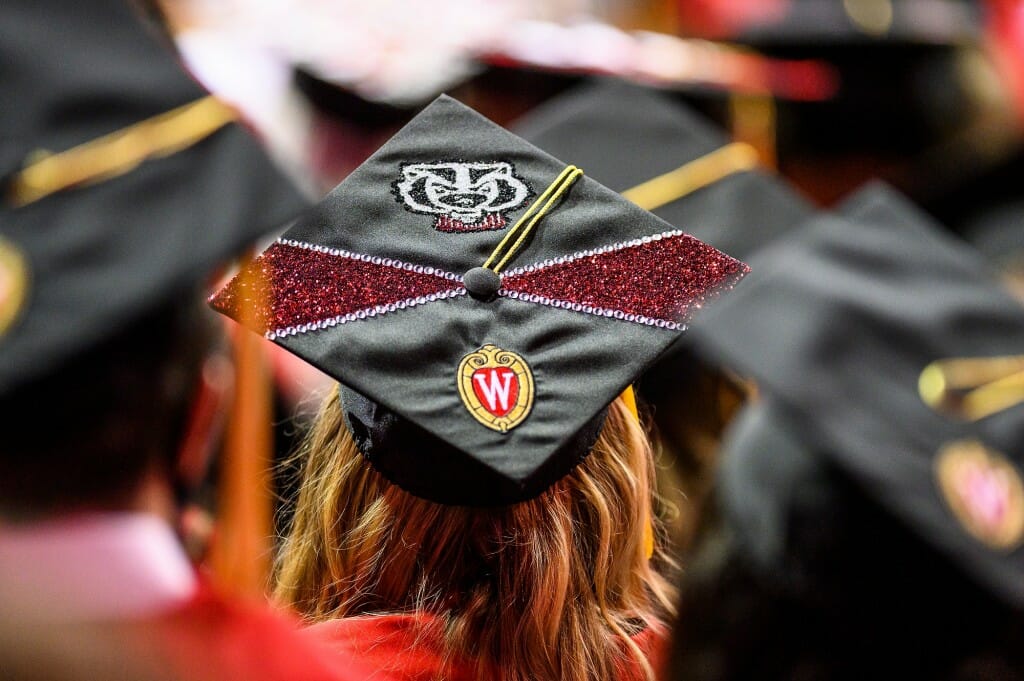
727 18
408 648
212 638
1005 38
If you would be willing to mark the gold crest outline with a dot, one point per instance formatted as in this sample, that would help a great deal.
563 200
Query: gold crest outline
492 356
14 268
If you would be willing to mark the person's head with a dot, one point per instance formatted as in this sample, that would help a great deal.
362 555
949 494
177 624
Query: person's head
552 587
86 436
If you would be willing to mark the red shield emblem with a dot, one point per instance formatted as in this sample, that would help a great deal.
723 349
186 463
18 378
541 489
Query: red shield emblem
496 386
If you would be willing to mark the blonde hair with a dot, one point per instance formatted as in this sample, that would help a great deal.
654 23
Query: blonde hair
551 588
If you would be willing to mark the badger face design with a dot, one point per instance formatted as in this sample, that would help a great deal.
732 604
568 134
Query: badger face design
463 196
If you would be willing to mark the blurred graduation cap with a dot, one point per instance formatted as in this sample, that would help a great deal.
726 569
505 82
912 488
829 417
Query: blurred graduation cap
858 22
861 330
481 303
671 161
123 182
900 65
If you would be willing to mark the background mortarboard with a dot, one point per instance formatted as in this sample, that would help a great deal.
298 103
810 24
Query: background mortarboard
368 287
623 135
912 81
837 325
101 254
829 22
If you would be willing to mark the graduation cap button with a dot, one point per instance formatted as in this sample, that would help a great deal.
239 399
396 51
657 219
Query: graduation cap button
482 283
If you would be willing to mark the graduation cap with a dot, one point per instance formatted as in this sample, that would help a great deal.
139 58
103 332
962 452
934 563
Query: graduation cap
480 301
123 181
855 327
815 22
881 52
670 160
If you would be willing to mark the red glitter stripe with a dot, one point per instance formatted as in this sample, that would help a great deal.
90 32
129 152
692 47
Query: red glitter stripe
288 286
663 279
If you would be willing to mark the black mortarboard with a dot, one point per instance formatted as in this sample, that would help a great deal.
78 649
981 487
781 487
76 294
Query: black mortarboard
626 135
883 52
816 22
766 471
149 184
842 326
486 396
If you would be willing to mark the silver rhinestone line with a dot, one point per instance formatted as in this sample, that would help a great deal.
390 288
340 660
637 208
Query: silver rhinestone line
359 315
596 311
376 260
600 250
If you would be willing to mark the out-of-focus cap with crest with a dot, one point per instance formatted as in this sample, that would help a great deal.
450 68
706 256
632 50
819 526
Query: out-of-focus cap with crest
124 183
895 355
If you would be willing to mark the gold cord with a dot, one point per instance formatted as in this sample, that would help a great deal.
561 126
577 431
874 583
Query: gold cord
697 174
551 195
121 151
988 385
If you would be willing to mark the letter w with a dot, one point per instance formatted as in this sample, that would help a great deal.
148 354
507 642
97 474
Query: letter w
495 390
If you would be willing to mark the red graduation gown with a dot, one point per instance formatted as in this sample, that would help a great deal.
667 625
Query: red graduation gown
212 638
407 648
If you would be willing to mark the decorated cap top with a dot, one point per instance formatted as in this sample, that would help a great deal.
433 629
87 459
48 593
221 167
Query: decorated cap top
480 301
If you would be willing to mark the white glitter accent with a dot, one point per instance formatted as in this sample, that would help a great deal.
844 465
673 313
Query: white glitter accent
376 260
601 250
587 309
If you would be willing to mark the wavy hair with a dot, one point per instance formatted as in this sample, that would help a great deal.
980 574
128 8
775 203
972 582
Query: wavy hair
548 589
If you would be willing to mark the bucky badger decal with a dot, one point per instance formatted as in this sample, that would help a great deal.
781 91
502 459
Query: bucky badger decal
463 196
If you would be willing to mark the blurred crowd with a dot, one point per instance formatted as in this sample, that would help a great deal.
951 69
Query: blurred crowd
658 340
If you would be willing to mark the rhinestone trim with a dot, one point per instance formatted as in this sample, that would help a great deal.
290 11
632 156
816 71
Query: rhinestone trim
367 313
373 259
610 248
597 311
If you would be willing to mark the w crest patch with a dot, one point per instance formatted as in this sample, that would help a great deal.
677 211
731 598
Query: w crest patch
497 387
462 196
